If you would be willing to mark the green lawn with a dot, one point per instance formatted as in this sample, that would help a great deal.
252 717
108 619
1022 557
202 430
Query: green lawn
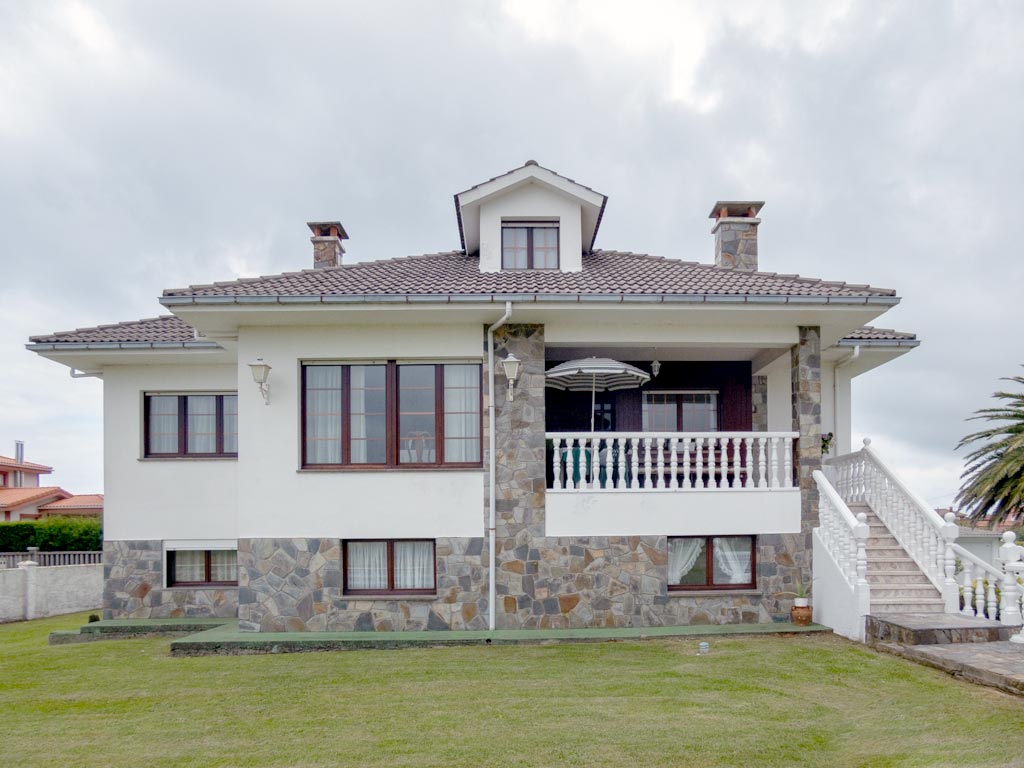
806 700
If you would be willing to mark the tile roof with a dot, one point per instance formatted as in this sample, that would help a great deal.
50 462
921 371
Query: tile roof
12 498
6 462
151 329
604 273
80 501
870 333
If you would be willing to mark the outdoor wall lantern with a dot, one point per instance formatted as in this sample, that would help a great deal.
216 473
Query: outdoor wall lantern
260 374
655 368
511 366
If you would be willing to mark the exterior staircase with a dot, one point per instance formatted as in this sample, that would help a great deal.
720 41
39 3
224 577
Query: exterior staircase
897 583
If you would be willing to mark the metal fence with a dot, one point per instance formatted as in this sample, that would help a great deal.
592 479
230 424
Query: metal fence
11 559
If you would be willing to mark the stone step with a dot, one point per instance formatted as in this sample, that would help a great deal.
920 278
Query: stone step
896 577
894 592
907 605
892 564
931 629
884 552
882 540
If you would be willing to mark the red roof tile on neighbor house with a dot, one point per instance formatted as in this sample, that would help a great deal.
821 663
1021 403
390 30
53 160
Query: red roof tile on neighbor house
14 498
604 273
85 501
6 462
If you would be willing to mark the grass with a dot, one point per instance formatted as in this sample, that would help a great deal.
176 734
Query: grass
806 700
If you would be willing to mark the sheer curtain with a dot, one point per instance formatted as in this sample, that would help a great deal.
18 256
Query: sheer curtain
224 565
190 565
323 414
230 423
367 566
682 556
163 423
414 565
201 425
732 560
357 413
461 413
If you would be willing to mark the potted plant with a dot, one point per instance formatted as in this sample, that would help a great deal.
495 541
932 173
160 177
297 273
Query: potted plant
800 613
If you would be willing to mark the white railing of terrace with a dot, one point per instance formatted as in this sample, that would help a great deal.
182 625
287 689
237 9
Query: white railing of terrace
670 461
840 550
11 559
928 538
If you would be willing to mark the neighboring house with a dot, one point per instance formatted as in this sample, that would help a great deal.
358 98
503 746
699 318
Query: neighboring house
360 486
23 498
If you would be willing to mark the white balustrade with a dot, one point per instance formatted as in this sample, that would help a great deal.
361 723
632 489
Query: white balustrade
928 538
670 461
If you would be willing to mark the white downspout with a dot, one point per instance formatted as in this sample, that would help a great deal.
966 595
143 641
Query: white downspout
491 597
850 358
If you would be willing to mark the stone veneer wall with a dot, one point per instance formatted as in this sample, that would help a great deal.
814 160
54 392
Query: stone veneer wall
759 403
133 586
296 585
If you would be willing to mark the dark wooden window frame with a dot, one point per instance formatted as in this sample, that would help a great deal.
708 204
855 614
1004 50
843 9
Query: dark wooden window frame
529 226
391 569
710 565
208 582
679 404
392 438
183 452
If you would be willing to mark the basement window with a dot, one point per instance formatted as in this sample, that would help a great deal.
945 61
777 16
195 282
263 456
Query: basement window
712 562
202 568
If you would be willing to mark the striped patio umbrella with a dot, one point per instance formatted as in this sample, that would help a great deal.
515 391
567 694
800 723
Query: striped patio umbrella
596 374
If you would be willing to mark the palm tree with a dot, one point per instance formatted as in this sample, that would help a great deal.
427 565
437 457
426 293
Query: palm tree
993 488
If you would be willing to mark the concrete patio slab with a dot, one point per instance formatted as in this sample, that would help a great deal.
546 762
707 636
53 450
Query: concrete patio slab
996 664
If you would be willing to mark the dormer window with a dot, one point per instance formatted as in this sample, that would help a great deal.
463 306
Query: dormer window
529 245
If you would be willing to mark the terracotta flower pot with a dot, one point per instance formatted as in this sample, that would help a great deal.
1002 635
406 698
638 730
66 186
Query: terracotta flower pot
801 615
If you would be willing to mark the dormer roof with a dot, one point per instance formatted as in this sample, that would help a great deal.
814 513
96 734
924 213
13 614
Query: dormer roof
467 203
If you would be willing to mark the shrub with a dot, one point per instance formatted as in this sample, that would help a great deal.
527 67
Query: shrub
53 534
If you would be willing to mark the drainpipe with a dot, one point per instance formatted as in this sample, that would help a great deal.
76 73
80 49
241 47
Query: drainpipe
850 358
76 374
493 462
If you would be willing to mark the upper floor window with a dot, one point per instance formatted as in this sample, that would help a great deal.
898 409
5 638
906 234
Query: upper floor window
683 411
529 245
191 425
391 414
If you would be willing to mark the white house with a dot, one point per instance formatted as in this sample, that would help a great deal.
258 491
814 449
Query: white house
372 483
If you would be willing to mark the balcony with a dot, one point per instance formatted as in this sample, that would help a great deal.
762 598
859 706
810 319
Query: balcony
671 483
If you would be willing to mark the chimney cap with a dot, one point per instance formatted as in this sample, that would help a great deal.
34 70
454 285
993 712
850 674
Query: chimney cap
744 209
321 228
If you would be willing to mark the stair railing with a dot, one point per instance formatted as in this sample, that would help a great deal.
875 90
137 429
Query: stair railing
862 476
988 592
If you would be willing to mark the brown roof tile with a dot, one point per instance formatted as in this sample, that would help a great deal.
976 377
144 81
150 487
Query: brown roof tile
151 329
12 498
604 272
870 333
79 501
6 462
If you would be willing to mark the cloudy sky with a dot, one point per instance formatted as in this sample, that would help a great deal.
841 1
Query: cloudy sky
152 145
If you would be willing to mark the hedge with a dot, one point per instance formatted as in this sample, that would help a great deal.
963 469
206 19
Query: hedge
54 534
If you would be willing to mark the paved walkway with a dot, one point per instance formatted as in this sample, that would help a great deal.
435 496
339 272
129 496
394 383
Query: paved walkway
999 664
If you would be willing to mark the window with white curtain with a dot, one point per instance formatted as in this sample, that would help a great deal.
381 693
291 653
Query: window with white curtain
190 425
529 245
391 414
711 562
202 567
389 566
680 411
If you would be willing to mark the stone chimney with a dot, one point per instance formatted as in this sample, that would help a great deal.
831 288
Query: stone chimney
326 239
735 233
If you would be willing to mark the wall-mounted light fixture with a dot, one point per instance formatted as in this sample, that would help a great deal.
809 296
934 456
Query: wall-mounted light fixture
655 368
511 366
261 375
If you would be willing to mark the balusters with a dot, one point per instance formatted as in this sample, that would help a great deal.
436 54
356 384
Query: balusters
659 479
993 604
570 464
556 463
687 477
673 465
634 454
787 458
748 464
862 553
712 463
979 595
609 462
968 579
762 471
647 462
698 443
622 481
773 459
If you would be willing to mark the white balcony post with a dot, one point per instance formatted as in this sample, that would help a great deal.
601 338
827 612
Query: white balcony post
673 445
556 463
762 469
634 482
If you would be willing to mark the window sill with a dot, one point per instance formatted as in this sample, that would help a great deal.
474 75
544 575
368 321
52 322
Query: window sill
392 597
219 587
439 468
714 592
187 458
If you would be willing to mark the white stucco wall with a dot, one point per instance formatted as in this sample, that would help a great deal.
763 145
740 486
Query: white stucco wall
30 593
163 498
679 513
537 202
780 395
277 499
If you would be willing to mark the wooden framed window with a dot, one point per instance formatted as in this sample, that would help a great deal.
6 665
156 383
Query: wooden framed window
202 568
389 566
712 562
680 411
529 245
386 415
197 426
